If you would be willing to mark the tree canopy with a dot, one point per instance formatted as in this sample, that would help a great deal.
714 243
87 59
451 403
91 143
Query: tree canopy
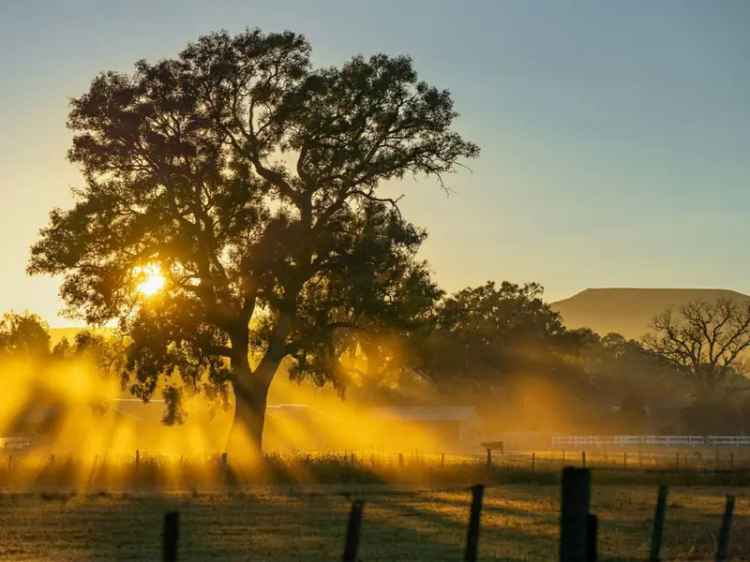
253 181
24 334
481 333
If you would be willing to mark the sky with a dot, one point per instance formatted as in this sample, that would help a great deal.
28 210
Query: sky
614 135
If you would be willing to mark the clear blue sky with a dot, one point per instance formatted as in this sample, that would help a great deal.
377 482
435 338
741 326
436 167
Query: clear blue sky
614 135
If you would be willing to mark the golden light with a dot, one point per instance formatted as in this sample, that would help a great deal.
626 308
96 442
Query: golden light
152 279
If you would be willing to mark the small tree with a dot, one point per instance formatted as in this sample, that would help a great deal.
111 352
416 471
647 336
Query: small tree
704 341
250 181
24 334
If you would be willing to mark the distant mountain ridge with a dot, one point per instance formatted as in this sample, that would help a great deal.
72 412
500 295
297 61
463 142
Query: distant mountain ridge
629 311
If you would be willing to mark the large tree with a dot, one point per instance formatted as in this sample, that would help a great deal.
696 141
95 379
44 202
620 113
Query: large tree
705 341
251 180
484 333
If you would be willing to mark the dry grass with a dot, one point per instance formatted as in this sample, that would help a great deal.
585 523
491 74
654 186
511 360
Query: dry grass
307 523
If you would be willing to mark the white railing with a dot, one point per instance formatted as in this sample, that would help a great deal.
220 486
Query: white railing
583 441
14 443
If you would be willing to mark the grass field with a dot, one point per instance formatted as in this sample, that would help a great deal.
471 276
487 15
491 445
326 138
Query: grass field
307 523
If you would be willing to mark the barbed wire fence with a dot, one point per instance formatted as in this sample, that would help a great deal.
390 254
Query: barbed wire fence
578 540
578 527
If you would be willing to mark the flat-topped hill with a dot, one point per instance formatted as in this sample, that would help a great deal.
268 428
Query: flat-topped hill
629 311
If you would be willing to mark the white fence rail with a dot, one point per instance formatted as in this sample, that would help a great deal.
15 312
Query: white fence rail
603 441
14 443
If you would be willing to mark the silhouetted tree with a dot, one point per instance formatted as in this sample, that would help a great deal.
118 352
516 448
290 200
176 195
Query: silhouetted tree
704 341
483 332
622 365
24 334
252 180
106 352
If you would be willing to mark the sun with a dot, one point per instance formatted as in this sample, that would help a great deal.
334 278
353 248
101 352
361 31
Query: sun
152 279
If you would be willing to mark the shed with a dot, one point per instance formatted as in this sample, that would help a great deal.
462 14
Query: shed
451 424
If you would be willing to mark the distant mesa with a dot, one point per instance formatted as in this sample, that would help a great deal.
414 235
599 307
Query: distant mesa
630 311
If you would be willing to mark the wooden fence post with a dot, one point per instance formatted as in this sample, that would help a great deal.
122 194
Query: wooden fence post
472 534
574 511
224 465
442 460
137 459
722 550
661 509
226 473
171 536
353 528
583 459
401 460
489 457
533 462
592 533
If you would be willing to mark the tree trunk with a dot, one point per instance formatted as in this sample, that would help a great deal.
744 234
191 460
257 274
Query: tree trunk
246 434
250 397
251 391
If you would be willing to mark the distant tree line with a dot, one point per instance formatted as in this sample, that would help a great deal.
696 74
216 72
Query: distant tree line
484 345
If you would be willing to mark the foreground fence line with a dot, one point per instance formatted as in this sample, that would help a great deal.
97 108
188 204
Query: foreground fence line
142 470
578 527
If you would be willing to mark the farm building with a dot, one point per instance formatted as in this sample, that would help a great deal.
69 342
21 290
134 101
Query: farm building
457 426
302 427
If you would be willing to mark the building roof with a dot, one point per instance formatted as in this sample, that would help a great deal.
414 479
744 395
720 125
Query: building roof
427 413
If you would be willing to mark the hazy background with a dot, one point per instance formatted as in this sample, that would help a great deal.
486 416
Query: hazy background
615 135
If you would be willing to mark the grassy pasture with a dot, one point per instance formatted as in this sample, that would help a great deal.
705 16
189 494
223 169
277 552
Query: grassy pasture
296 508
307 523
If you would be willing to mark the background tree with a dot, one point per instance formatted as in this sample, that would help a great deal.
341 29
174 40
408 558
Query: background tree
625 367
24 334
482 332
632 384
502 349
705 341
251 181
106 352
